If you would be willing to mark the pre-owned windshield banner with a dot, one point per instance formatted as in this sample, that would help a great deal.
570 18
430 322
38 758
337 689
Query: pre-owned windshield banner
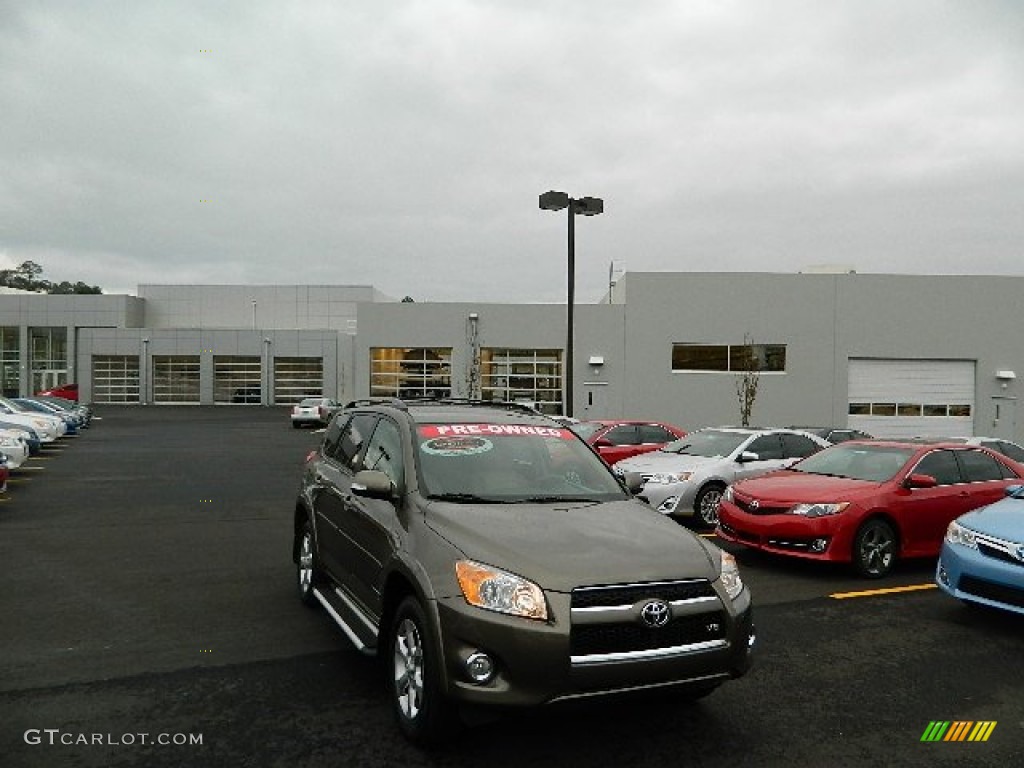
493 430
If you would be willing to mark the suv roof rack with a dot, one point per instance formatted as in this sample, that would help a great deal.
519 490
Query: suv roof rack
392 401
404 403
476 402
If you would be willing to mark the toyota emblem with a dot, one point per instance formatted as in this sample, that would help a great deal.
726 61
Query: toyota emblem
655 613
755 504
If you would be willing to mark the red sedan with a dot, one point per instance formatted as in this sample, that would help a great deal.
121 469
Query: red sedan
67 391
618 440
865 503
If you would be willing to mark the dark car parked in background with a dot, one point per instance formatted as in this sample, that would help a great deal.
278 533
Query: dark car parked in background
836 435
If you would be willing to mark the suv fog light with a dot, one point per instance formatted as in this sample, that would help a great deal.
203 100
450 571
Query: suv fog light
819 545
480 668
751 639
668 505
943 576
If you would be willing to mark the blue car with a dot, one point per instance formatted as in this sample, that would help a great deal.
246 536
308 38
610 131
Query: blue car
982 558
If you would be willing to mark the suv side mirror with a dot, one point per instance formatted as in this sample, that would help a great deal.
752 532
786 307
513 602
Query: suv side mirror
602 443
920 481
746 456
373 484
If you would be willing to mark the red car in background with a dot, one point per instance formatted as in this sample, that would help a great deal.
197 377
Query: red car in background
67 391
865 503
615 440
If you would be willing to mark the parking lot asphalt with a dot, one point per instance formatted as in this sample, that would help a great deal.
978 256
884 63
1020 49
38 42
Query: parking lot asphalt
147 589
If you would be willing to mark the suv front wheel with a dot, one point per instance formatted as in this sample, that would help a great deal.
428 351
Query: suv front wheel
423 713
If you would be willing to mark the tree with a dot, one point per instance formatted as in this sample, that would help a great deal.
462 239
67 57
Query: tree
27 276
749 366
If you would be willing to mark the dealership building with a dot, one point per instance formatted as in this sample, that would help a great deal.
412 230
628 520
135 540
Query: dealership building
890 354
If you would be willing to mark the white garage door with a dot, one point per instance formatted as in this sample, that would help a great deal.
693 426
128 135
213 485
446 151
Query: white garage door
904 398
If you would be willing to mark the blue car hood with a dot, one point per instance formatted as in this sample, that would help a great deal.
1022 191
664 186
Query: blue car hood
1003 520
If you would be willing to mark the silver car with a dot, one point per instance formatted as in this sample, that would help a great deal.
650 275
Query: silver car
686 478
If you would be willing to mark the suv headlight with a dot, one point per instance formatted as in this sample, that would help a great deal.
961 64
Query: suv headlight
731 576
497 590
666 478
957 534
727 494
818 510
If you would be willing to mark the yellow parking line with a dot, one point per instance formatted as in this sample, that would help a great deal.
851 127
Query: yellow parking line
887 591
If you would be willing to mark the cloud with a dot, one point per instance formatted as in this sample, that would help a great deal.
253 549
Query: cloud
404 144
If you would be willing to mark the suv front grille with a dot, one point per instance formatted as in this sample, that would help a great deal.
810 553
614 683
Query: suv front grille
608 624
628 594
626 638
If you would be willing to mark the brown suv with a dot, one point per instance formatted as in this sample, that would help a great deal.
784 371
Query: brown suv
491 558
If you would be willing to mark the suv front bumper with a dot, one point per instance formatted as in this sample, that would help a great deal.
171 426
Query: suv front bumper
535 663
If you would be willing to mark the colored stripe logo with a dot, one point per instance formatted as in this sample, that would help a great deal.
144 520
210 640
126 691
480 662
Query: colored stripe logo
958 730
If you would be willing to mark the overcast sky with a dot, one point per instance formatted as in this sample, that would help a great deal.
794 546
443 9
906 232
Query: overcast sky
404 143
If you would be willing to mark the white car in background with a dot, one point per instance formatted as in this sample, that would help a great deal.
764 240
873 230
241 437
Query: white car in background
314 411
687 477
49 428
14 447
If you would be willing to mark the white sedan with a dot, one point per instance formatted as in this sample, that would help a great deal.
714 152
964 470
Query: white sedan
14 447
313 411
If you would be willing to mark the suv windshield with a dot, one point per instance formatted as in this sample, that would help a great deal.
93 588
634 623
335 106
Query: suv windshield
875 464
510 463
708 443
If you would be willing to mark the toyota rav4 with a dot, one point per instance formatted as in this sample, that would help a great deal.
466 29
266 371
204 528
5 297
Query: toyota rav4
490 557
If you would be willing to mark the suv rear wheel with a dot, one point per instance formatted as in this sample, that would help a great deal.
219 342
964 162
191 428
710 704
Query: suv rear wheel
307 573
422 712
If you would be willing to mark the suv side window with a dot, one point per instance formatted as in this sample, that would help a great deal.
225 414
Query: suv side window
624 434
384 452
941 465
348 451
333 434
979 467
767 447
798 446
652 433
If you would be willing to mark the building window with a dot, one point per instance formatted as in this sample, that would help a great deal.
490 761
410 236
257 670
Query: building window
729 358
176 379
10 359
532 376
237 379
410 372
115 379
296 378
49 348
910 409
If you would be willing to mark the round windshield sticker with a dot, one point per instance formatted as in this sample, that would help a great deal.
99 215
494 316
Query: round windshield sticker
457 446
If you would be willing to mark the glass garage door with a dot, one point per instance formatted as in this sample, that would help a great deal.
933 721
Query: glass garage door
176 379
115 378
296 378
237 379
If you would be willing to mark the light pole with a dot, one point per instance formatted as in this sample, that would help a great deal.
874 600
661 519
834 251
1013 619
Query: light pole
588 206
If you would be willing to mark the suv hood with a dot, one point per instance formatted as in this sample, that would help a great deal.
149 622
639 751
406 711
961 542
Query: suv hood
662 461
571 544
796 487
